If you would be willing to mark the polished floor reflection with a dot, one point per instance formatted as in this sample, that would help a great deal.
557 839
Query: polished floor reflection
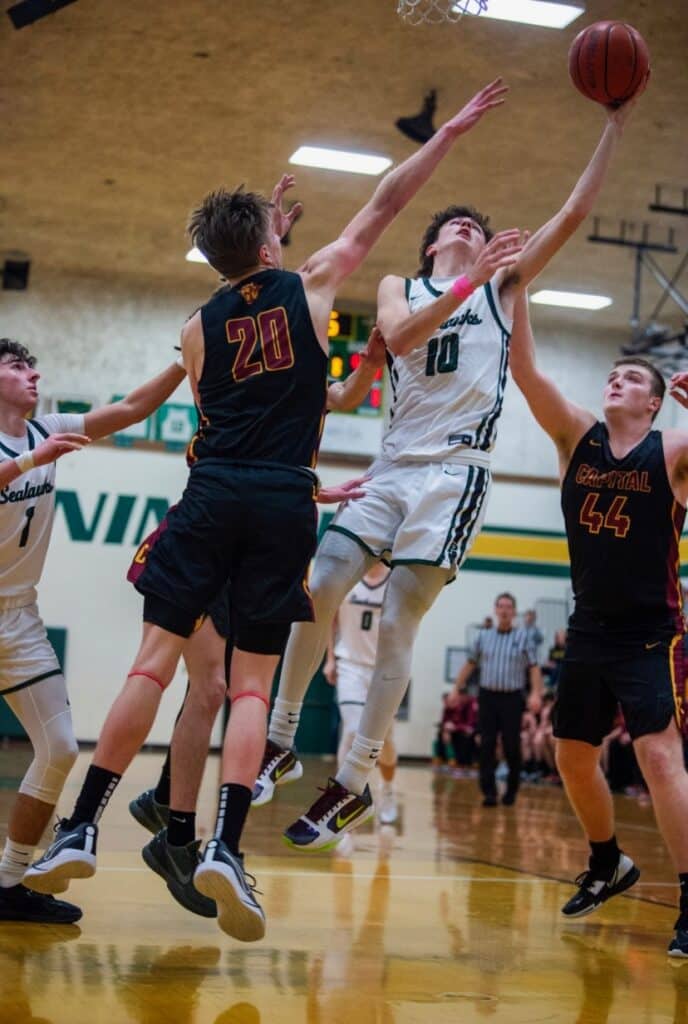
450 916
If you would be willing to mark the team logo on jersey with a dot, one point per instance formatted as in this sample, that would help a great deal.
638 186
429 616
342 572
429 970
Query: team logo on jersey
250 292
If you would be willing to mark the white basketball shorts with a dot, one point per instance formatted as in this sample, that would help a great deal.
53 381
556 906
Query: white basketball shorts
353 682
427 513
26 654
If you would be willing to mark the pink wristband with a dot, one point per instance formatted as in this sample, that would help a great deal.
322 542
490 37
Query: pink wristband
462 287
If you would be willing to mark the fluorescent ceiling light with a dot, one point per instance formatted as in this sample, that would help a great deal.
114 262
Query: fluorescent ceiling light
572 300
534 12
340 160
195 256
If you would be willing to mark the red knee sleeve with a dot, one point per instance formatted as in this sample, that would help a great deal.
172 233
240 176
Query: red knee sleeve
252 693
138 672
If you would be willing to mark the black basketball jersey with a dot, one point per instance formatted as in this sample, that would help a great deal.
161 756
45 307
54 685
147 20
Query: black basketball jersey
264 381
623 526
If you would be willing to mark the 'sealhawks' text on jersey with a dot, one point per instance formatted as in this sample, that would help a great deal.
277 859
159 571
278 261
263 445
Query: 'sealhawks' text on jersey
28 491
623 525
27 510
447 394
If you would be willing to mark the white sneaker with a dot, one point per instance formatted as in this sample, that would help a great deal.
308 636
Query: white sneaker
221 877
389 812
279 766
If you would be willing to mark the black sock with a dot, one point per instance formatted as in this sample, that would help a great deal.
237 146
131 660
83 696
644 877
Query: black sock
98 787
162 790
181 828
683 883
605 856
235 802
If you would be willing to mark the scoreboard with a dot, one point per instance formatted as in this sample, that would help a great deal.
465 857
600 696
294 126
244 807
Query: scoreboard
348 335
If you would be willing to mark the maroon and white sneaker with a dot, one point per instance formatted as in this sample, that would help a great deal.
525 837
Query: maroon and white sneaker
333 814
279 766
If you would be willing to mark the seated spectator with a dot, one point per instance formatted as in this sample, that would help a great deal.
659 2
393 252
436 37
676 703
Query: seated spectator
544 742
456 739
529 726
619 761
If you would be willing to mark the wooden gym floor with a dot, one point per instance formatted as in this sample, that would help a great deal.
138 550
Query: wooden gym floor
450 916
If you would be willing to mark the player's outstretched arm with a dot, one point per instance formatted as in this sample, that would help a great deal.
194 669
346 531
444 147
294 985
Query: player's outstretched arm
348 395
565 422
328 267
403 331
676 441
545 242
50 450
136 406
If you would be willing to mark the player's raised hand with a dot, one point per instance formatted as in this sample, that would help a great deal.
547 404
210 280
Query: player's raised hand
375 353
57 445
282 220
493 95
678 388
350 489
618 114
501 251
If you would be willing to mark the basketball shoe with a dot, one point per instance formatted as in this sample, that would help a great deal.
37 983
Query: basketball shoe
221 877
678 947
148 812
72 854
337 811
17 903
596 886
279 766
176 865
388 812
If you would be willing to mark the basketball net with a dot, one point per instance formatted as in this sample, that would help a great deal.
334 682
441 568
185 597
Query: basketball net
437 12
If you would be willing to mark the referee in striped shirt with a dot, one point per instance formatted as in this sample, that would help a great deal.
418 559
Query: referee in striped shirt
505 653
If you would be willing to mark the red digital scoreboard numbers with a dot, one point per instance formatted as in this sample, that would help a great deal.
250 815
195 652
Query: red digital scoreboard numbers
348 334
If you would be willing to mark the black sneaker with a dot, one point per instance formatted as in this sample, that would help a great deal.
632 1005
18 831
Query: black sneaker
221 877
72 854
595 888
176 865
678 947
279 766
17 903
149 813
337 811
489 801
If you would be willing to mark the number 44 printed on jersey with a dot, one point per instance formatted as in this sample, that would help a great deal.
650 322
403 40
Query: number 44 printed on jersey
613 519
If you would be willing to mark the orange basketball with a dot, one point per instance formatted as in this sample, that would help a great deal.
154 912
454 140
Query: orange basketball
608 61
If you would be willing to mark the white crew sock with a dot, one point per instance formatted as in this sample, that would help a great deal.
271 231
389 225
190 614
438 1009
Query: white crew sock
16 858
284 722
359 763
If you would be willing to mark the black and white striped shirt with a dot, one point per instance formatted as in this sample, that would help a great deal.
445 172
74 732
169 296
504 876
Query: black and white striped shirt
503 658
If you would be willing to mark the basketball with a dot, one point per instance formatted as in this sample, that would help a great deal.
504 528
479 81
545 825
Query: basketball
608 61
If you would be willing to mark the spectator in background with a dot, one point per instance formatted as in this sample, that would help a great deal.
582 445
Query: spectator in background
553 664
532 629
456 735
543 742
503 652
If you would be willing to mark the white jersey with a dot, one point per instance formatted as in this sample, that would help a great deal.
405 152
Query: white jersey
27 510
358 623
447 394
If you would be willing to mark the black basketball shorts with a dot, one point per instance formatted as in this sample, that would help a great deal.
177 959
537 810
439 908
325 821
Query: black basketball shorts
648 681
253 526
219 609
